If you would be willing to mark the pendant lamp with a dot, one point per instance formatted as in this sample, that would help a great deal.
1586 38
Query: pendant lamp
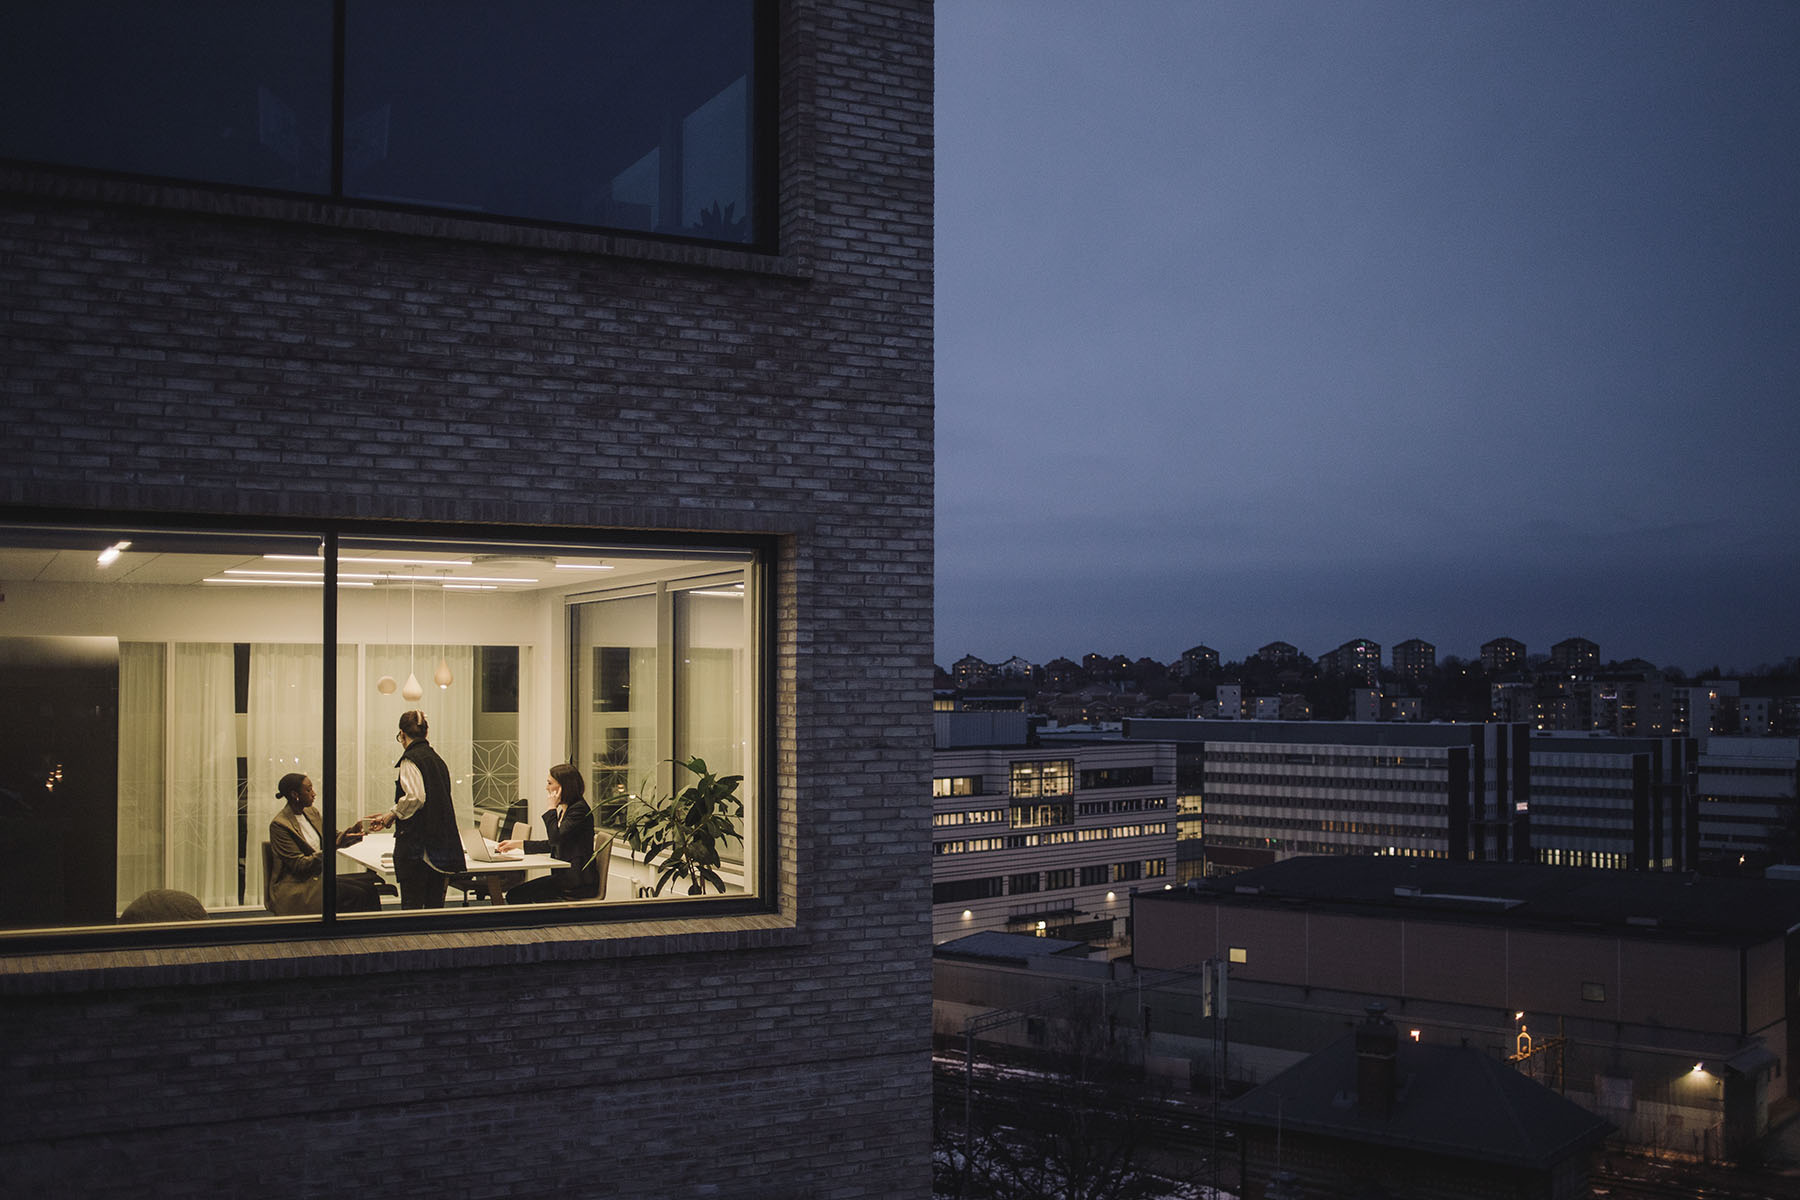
387 684
411 689
442 676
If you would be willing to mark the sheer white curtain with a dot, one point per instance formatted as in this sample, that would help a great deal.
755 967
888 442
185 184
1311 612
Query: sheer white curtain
202 829
287 694
449 712
141 820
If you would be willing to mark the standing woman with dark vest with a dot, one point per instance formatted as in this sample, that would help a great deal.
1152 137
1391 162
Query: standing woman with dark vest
427 846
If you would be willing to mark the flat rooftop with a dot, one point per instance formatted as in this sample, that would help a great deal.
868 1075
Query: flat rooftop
1641 902
1290 733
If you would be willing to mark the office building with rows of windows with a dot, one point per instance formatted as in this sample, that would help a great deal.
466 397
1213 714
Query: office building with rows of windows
1747 795
567 380
1257 792
1045 839
1620 803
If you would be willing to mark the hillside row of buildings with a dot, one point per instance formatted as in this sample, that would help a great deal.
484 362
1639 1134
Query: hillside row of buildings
1568 690
1357 658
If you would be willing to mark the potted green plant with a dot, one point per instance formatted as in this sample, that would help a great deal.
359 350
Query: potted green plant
689 827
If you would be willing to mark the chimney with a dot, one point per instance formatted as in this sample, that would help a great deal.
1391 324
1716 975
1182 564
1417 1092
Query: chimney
1377 1043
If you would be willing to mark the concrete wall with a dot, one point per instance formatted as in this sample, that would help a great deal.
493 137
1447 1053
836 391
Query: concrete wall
1628 1057
1648 980
174 350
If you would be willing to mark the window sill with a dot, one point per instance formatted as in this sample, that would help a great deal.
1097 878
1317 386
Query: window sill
318 958
85 187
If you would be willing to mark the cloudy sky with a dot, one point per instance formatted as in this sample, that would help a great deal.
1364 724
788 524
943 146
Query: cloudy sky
1316 320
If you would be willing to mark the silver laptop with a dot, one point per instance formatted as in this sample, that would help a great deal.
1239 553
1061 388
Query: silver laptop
477 849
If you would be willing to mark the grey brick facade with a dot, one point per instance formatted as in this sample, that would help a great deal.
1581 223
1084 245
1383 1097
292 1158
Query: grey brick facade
184 351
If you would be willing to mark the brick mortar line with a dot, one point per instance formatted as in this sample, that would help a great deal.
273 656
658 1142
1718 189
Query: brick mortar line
738 1077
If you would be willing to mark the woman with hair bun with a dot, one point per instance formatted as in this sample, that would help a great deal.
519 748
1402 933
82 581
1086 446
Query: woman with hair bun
296 835
427 846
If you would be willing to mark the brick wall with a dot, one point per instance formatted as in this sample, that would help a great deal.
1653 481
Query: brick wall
174 350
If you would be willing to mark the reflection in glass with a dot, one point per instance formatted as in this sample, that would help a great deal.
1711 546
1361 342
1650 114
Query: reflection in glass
620 114
616 742
220 91
633 116
122 687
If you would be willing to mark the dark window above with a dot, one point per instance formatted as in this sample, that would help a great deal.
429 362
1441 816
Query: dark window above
648 118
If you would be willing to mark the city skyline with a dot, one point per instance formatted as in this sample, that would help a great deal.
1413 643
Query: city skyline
1376 319
1534 652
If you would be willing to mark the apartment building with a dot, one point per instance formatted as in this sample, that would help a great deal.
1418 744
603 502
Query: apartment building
1575 656
1414 659
1358 659
1502 654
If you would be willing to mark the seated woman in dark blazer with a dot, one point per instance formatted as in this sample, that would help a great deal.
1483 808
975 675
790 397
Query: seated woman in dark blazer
569 835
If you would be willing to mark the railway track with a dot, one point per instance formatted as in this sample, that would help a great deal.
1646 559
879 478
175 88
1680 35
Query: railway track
1177 1137
1172 1135
1693 1184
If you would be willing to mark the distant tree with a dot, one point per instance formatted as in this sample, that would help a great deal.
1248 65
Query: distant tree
1073 1138
1456 689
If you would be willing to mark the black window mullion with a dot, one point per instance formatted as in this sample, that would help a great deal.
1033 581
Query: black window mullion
328 742
337 98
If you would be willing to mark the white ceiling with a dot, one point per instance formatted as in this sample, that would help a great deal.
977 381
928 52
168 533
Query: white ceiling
505 572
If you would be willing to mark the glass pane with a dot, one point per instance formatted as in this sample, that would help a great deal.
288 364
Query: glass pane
616 732
212 90
140 762
669 675
627 115
177 693
712 685
451 631
535 665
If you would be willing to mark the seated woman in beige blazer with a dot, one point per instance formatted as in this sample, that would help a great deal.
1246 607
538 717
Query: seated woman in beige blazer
297 876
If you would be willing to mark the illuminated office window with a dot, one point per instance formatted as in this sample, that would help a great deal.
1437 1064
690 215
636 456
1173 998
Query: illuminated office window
156 701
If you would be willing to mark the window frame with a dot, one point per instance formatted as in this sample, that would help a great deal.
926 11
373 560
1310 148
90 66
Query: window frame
762 898
763 185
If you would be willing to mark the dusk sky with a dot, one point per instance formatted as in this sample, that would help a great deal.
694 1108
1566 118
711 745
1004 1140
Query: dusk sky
1309 321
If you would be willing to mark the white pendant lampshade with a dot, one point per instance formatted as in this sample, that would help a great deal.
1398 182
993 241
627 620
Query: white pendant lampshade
441 676
386 685
411 690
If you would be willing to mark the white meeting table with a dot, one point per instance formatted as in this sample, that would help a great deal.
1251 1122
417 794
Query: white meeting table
376 852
